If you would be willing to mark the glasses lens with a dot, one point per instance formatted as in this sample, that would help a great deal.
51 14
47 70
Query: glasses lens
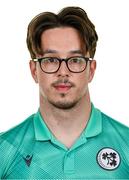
49 64
77 64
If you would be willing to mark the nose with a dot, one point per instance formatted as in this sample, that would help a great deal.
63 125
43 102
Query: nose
63 70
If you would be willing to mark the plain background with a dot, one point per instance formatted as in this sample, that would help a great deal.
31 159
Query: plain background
110 87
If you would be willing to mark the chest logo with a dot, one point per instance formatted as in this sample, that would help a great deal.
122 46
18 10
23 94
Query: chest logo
28 159
108 158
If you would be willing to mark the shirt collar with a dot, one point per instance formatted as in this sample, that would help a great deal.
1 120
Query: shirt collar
42 133
93 128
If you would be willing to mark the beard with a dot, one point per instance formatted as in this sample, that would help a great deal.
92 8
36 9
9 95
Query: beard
64 104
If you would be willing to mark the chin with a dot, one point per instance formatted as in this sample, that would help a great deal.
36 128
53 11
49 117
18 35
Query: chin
64 104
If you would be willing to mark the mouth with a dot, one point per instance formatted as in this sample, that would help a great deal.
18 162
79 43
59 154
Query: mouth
63 87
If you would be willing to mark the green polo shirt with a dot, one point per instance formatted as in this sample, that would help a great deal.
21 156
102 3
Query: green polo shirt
30 151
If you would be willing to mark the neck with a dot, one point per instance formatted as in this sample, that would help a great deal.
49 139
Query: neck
66 125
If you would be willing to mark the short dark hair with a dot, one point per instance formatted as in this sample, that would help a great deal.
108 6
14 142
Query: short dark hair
74 17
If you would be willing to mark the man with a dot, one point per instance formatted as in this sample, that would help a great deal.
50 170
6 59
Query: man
68 138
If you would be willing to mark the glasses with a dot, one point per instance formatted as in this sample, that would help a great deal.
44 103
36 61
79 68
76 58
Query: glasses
51 65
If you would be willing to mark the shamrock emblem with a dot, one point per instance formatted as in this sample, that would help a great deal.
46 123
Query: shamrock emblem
108 158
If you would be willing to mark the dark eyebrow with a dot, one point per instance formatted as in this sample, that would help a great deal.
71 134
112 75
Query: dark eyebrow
76 51
49 51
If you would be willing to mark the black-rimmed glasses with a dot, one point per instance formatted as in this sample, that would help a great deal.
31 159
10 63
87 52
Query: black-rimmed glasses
76 64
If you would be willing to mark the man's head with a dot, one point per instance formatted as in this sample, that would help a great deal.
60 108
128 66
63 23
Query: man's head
62 45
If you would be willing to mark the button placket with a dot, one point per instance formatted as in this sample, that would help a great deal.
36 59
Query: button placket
69 167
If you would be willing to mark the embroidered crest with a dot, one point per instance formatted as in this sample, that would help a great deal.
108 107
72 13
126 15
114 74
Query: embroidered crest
108 158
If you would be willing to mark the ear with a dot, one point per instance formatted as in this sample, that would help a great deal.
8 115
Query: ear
92 70
33 70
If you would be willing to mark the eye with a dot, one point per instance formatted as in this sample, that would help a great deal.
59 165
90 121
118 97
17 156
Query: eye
49 60
77 60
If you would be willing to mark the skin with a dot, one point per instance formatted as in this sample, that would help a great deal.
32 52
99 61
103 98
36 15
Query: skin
64 96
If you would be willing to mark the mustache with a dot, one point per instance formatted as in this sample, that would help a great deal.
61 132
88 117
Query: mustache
63 81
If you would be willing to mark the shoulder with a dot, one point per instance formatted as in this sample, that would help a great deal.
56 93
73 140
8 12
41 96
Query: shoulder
117 135
115 126
17 131
12 140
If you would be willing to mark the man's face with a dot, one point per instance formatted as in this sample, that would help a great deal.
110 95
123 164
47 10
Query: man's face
62 89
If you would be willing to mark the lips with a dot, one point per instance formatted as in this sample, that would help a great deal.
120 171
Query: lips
62 87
